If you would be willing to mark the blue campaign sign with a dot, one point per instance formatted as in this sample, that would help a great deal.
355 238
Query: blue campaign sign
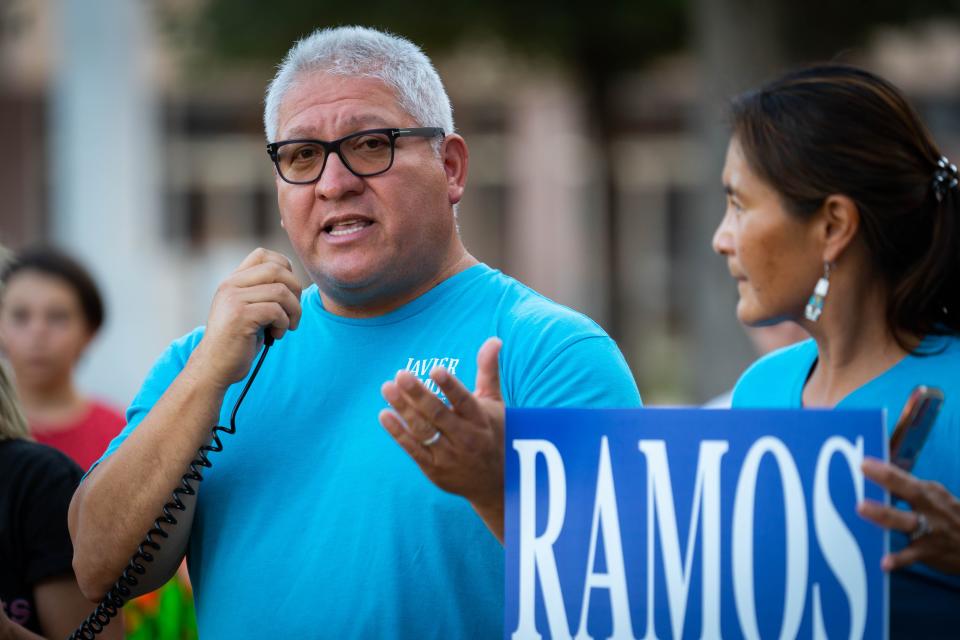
687 523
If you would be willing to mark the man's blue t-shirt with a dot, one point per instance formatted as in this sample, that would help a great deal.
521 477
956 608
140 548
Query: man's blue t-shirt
313 521
777 381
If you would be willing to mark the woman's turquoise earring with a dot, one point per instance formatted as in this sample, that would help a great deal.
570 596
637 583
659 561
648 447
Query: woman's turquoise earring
815 303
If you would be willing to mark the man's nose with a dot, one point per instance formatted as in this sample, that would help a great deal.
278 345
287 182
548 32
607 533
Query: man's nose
337 180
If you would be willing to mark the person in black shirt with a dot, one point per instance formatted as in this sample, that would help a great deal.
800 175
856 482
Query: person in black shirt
38 590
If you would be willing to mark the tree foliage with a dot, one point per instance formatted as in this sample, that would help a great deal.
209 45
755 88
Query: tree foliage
602 36
618 33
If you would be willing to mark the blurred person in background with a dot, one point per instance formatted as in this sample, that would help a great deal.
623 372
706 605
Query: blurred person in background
843 216
38 591
50 311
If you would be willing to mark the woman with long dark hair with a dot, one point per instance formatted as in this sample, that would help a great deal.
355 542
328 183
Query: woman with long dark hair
843 216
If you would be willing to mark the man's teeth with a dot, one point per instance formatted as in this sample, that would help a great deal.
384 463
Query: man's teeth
347 228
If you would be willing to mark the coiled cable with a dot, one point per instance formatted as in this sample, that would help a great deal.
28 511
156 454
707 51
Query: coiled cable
121 592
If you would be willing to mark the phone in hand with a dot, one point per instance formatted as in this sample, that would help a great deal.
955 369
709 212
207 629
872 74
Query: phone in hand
916 420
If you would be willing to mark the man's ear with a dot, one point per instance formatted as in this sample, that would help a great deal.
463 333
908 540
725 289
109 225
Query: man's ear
455 160
839 226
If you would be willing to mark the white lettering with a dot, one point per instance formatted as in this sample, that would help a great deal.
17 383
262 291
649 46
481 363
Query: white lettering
536 552
840 548
422 368
796 528
819 631
706 499
615 579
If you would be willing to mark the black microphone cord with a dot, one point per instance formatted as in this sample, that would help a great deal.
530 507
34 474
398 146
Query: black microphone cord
121 592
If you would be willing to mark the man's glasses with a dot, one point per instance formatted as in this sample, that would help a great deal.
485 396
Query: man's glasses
364 153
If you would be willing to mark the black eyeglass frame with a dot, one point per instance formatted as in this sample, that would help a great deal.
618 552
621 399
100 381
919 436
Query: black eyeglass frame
333 146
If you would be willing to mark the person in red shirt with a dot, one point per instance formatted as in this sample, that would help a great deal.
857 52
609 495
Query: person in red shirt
50 310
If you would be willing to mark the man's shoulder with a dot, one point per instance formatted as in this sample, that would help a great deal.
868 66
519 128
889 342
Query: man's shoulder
171 361
555 356
523 308
180 349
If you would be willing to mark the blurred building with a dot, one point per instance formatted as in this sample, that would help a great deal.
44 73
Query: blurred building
155 174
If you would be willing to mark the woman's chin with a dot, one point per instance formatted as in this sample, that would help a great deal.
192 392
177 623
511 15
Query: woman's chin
744 313
750 316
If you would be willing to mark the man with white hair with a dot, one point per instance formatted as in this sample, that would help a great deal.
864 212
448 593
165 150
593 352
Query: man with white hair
313 522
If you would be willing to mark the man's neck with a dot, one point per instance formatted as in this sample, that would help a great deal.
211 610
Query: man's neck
383 305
